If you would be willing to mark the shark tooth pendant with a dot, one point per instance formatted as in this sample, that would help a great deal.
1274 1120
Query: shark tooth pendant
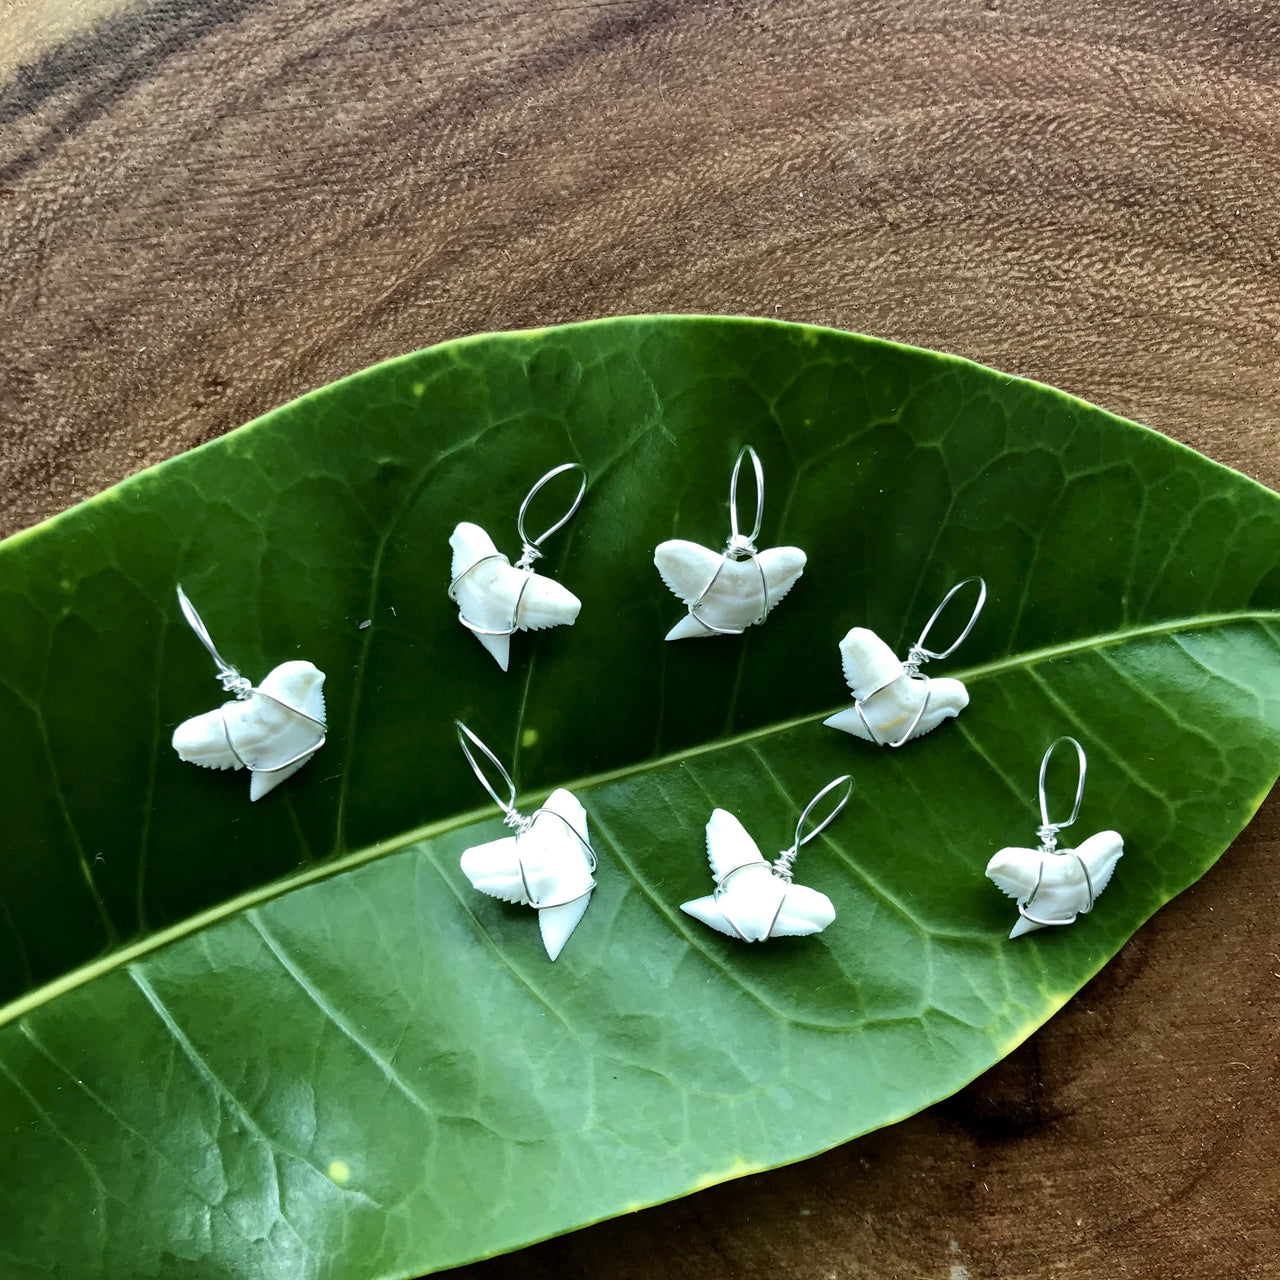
271 729
547 864
725 592
496 598
893 702
755 900
1055 886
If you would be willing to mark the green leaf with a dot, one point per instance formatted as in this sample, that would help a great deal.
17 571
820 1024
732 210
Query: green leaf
288 1039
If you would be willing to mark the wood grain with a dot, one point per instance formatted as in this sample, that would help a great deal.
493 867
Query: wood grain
209 207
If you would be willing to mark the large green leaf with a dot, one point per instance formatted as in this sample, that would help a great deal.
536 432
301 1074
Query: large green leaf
288 1039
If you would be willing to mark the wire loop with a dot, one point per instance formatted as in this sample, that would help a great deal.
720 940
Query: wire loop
786 859
1048 831
532 545
231 679
233 682
918 654
735 533
513 816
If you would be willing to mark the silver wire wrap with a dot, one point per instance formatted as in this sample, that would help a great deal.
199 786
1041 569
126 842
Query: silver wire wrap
1047 833
531 551
916 657
233 682
782 866
739 547
517 821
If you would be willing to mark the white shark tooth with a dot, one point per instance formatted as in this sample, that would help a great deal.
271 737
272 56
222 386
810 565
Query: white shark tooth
892 702
497 598
272 729
726 592
546 865
888 696
1055 886
752 901
262 728
494 595
735 600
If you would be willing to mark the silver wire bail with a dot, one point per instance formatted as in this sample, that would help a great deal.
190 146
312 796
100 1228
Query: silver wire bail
531 548
918 654
786 859
231 679
244 689
739 546
512 816
1048 831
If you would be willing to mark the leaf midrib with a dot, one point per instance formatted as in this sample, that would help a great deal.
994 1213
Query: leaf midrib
126 955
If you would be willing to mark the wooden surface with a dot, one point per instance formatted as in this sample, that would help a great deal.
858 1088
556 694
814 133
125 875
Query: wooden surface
210 206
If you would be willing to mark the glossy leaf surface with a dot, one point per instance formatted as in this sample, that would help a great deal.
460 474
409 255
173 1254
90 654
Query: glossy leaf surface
367 1069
